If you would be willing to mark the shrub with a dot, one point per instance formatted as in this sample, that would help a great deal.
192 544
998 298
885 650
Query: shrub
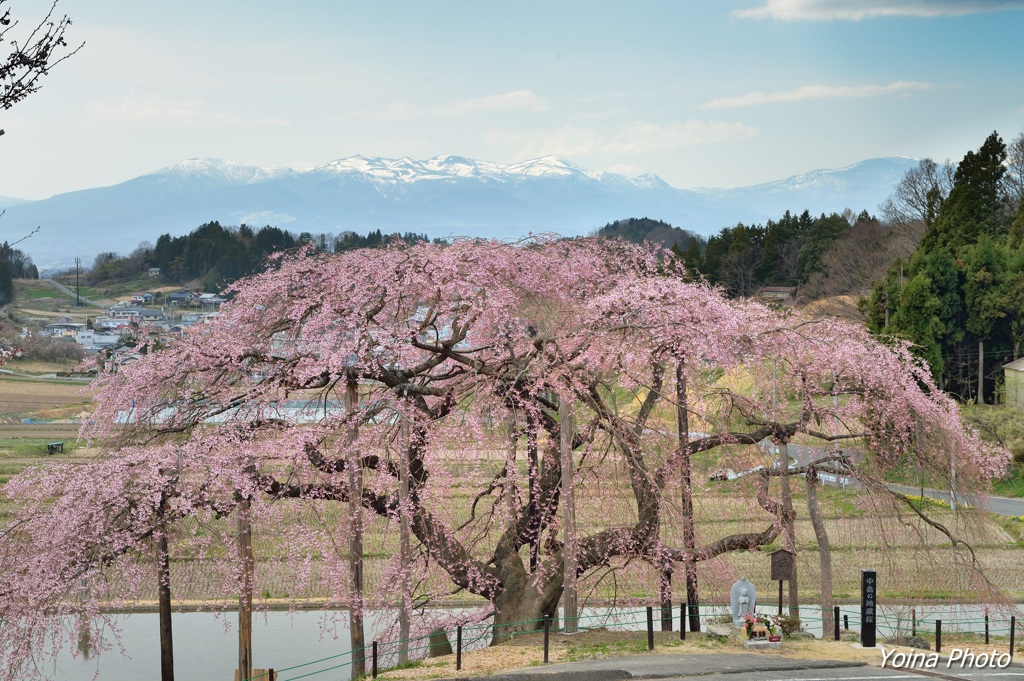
788 623
55 350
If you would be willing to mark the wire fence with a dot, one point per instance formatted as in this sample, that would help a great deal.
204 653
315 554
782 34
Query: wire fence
844 624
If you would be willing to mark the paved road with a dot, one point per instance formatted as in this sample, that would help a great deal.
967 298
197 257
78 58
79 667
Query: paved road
1001 505
739 667
68 292
803 454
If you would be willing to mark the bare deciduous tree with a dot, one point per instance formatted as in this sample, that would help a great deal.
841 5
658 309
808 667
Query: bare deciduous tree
30 55
919 194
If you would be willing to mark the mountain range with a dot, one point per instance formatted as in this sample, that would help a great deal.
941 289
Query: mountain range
442 196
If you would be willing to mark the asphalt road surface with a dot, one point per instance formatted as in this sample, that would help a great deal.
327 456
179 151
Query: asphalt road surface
802 455
741 667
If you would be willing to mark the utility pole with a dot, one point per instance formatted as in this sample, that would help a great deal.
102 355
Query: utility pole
78 296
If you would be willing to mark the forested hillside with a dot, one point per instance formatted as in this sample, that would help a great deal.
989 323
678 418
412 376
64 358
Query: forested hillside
13 265
959 297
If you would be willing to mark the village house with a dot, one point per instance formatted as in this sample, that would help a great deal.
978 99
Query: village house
136 314
210 300
1013 374
182 297
57 329
94 341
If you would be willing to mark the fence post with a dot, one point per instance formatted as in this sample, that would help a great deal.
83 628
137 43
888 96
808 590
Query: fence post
913 621
835 621
682 621
986 629
1013 630
373 662
458 648
938 636
547 636
846 622
271 675
650 628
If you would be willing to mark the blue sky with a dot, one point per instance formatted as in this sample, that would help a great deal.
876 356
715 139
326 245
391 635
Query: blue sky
718 93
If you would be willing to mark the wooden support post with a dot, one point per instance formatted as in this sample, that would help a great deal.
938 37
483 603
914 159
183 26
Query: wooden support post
568 503
373 665
913 621
682 621
938 636
357 636
245 598
986 629
650 628
163 563
404 548
835 621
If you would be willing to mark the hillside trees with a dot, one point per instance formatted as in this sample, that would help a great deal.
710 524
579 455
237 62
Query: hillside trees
785 252
444 348
958 297
13 265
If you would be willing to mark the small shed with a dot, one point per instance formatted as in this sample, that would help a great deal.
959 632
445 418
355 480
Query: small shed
1013 374
777 295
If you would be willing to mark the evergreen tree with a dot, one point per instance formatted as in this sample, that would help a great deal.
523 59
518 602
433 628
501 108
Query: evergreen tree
974 204
1016 236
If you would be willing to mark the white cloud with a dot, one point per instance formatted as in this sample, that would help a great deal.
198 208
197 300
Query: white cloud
157 110
521 100
855 10
811 92
517 99
575 142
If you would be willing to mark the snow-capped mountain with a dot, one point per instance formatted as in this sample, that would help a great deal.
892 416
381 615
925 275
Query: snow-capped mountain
442 196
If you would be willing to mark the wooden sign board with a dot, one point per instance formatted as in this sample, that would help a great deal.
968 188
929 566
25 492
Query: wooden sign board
783 564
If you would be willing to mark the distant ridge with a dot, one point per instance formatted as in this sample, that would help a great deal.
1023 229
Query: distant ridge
439 196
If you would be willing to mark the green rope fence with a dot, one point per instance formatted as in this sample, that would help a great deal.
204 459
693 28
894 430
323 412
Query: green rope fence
472 636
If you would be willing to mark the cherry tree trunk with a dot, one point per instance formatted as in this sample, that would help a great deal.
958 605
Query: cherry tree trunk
521 605
686 487
824 551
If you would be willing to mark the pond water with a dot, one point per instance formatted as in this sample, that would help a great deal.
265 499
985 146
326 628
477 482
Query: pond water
205 644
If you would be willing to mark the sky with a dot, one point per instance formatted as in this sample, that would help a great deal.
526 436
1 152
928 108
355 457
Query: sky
703 93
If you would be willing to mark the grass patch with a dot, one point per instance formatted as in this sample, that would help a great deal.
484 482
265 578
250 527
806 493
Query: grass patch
588 651
20 447
1012 486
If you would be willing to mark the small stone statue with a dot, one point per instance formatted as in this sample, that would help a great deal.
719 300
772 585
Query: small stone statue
743 598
